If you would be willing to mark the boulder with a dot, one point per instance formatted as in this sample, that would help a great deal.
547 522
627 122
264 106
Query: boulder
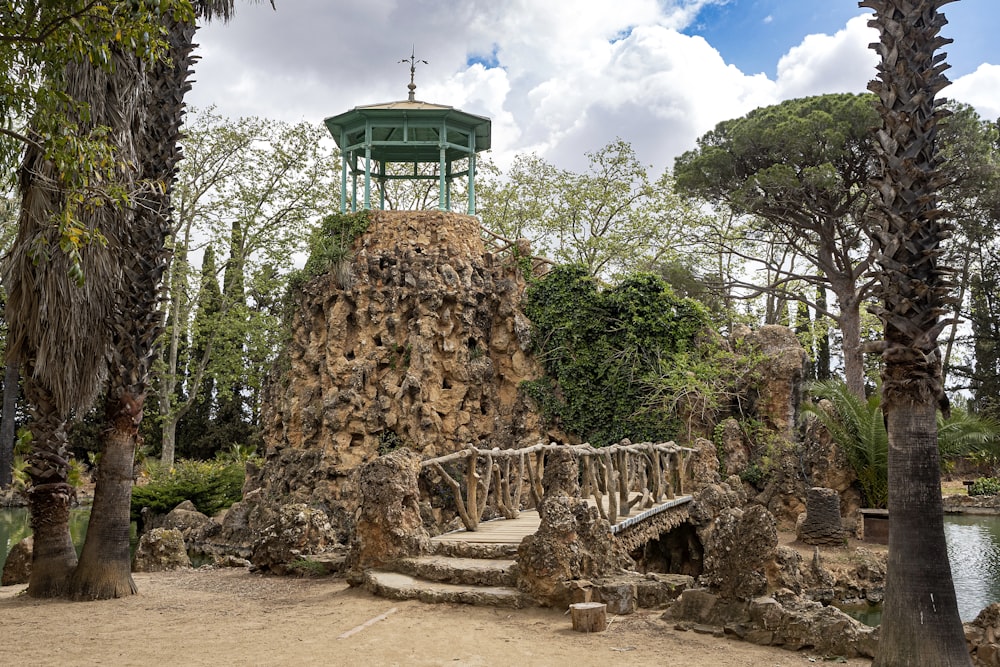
738 549
573 542
735 452
389 525
983 637
17 568
160 549
783 620
704 465
185 518
295 530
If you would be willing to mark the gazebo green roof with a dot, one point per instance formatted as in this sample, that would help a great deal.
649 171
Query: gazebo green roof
408 132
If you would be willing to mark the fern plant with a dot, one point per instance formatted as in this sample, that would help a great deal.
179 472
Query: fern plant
857 425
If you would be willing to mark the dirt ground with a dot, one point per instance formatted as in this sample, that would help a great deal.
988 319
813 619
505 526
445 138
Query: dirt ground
232 617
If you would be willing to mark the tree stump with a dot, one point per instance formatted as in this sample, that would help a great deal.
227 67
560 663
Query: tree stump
589 616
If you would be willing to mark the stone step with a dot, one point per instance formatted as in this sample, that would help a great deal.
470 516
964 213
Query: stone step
469 571
456 548
396 586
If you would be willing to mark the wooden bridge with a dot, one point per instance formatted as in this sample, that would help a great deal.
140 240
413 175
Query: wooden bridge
638 488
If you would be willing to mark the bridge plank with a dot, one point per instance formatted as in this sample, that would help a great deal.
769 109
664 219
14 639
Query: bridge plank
512 531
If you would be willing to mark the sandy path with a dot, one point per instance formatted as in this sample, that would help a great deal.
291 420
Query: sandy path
232 617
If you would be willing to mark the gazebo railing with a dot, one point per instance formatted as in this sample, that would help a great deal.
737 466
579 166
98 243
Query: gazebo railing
617 478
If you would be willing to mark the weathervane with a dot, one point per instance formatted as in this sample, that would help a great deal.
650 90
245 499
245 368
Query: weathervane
413 69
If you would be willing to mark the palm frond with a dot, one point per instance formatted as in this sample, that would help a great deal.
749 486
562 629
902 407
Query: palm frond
857 425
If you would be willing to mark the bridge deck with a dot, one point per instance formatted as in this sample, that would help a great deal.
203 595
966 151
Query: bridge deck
512 531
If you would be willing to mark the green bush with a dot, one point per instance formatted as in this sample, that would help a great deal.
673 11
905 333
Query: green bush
858 426
985 486
210 485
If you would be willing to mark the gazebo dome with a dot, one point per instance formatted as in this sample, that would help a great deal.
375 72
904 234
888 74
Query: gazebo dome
407 132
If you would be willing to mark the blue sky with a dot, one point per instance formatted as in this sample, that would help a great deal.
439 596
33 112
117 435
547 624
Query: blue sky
563 77
754 34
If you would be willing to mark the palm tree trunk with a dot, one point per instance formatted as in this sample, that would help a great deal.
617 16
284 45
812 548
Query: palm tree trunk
104 571
920 622
8 433
53 557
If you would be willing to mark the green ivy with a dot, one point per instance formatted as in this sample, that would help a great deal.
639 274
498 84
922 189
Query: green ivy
603 350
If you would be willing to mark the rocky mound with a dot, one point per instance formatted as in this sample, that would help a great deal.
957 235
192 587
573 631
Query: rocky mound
418 342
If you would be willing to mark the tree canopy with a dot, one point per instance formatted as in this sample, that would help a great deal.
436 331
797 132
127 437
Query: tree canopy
802 170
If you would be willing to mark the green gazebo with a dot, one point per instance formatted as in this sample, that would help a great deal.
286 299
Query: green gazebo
412 133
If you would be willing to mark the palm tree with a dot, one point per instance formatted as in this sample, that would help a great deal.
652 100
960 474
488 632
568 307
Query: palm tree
104 568
920 621
57 330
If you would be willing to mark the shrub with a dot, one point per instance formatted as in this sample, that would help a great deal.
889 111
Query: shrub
604 351
985 486
330 246
210 485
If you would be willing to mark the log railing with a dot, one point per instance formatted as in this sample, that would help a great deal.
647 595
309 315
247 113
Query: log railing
617 478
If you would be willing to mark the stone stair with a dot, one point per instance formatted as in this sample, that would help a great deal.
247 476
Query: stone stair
460 572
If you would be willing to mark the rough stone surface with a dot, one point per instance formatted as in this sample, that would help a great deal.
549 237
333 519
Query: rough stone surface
389 526
735 451
185 518
709 503
737 551
782 372
783 620
422 343
704 465
972 504
822 524
825 464
17 568
160 549
295 530
983 637
621 597
572 542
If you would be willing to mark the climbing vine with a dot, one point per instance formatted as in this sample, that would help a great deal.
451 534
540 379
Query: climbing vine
603 351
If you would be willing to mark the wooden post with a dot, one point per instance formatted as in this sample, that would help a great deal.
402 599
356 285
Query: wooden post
589 616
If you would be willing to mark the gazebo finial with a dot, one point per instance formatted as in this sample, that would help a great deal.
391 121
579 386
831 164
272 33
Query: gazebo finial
413 69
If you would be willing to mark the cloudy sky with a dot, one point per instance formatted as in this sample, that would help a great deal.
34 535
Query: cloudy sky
563 77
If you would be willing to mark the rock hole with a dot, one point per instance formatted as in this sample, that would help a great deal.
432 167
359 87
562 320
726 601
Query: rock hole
678 551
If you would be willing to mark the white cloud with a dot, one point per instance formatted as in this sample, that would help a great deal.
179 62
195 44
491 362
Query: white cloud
839 63
570 75
981 89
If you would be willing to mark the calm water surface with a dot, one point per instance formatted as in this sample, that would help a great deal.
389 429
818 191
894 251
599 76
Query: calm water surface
15 526
974 552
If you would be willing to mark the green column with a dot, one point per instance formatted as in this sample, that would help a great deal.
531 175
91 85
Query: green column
343 174
472 182
441 181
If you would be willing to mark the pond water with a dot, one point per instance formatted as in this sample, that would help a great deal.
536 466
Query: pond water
974 552
15 526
